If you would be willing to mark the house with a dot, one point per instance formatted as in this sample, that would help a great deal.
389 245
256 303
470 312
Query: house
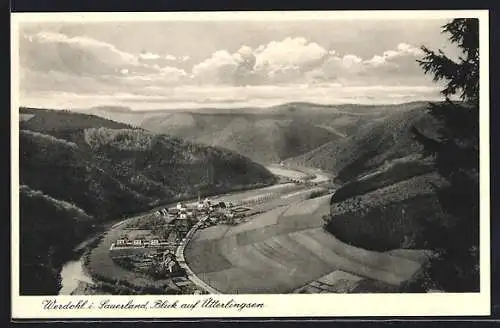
173 211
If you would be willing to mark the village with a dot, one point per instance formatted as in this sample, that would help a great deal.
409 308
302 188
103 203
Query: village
151 244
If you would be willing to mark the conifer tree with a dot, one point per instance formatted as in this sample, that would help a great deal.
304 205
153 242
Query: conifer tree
456 153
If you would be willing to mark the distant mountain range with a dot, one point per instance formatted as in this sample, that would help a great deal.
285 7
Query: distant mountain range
266 135
282 108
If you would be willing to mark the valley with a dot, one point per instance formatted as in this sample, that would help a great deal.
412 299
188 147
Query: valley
311 176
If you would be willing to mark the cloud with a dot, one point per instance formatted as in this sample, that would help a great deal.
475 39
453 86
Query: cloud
288 60
150 56
46 51
392 67
218 69
226 68
276 62
296 60
396 56
89 63
54 62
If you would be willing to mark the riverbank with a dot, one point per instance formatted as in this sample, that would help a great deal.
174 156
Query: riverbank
73 276
111 278
74 272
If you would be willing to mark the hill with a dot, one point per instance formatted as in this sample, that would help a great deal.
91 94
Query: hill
264 138
391 196
46 120
267 135
378 143
47 227
109 170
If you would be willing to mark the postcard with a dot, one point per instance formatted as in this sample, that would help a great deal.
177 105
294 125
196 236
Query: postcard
250 164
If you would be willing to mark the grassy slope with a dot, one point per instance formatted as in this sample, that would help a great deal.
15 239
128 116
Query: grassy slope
108 170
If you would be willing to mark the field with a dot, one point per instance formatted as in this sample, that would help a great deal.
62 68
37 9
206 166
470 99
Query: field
285 249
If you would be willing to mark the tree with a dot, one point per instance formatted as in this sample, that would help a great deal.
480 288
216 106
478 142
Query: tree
462 76
456 153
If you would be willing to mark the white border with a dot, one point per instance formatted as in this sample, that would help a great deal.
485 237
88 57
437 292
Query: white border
440 304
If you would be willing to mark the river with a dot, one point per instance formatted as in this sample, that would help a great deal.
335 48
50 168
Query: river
73 272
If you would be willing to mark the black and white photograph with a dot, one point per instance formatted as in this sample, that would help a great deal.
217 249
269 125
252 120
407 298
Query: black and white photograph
249 156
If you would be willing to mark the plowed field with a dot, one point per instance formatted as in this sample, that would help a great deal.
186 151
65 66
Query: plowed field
285 249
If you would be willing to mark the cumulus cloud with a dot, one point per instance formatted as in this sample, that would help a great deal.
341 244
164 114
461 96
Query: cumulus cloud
289 52
390 67
288 60
219 68
283 61
402 51
295 60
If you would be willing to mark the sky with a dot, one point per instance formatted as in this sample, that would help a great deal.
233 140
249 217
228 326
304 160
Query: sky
188 64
